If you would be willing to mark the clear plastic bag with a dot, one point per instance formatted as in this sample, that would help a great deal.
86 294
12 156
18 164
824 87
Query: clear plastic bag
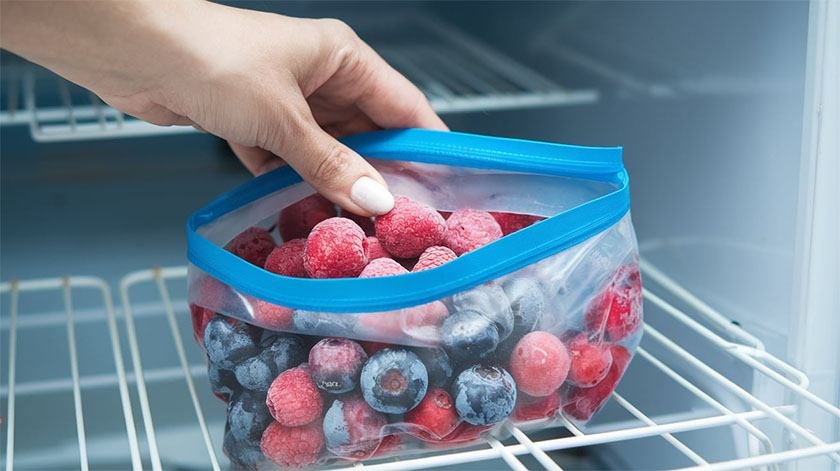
540 322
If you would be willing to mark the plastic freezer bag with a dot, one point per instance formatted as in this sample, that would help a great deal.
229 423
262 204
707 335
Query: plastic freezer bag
503 286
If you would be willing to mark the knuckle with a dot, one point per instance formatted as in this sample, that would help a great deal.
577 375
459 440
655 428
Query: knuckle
331 166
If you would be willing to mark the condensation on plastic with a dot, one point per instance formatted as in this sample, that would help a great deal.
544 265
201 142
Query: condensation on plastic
572 282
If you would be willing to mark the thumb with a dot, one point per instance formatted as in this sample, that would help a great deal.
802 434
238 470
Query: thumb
335 170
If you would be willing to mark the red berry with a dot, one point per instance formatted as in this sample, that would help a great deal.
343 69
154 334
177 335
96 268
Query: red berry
617 310
590 361
293 398
295 221
201 316
380 325
469 229
352 428
410 228
271 315
539 363
382 267
535 408
287 259
423 322
375 249
512 222
294 447
582 403
336 248
434 257
365 222
253 245
208 292
435 415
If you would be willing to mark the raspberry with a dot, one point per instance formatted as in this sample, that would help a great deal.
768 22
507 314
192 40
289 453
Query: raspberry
287 259
365 222
423 322
293 398
253 245
375 249
336 248
535 408
292 446
335 364
435 415
434 257
296 220
271 315
590 362
382 267
201 316
469 229
539 363
410 228
582 403
512 222
352 429
617 310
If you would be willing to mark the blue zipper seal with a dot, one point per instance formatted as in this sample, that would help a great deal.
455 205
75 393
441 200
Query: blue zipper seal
503 256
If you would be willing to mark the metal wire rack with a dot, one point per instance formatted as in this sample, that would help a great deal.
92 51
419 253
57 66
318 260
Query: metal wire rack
729 389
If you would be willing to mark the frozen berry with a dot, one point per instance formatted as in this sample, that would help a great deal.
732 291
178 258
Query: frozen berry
282 351
469 229
270 315
248 416
293 398
365 222
490 301
385 325
582 403
287 259
206 291
201 316
335 363
352 429
410 228
434 257
423 322
484 395
438 366
222 382
435 415
253 244
243 454
375 249
227 344
539 363
295 221
382 267
293 447
590 361
527 302
536 408
512 222
322 324
394 380
467 335
373 347
616 311
254 374
336 248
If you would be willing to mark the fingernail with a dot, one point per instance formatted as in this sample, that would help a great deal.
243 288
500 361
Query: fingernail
371 196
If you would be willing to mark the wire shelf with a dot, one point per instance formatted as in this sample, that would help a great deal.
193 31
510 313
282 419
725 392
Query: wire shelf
698 379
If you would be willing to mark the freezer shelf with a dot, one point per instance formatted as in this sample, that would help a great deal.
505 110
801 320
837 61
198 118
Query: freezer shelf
752 418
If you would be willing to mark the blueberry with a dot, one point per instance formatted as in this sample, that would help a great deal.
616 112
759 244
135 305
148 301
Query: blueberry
243 454
227 344
394 380
437 365
248 416
222 382
527 301
335 364
282 351
322 324
490 301
467 335
484 395
254 374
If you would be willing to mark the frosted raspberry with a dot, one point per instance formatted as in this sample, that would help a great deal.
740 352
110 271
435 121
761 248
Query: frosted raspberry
410 228
539 364
295 221
512 222
469 229
617 310
375 249
535 408
382 267
423 322
294 447
253 245
365 222
590 361
582 403
435 416
287 259
336 248
380 325
293 398
434 257
272 315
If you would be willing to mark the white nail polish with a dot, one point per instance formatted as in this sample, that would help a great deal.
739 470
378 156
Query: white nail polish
370 195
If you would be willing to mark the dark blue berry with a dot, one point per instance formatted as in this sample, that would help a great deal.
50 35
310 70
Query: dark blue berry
437 365
322 324
226 344
254 374
336 430
394 380
527 301
243 454
490 301
468 336
282 351
484 395
335 364
222 382
248 416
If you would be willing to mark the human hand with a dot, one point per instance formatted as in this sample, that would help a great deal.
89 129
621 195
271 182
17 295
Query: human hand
273 86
